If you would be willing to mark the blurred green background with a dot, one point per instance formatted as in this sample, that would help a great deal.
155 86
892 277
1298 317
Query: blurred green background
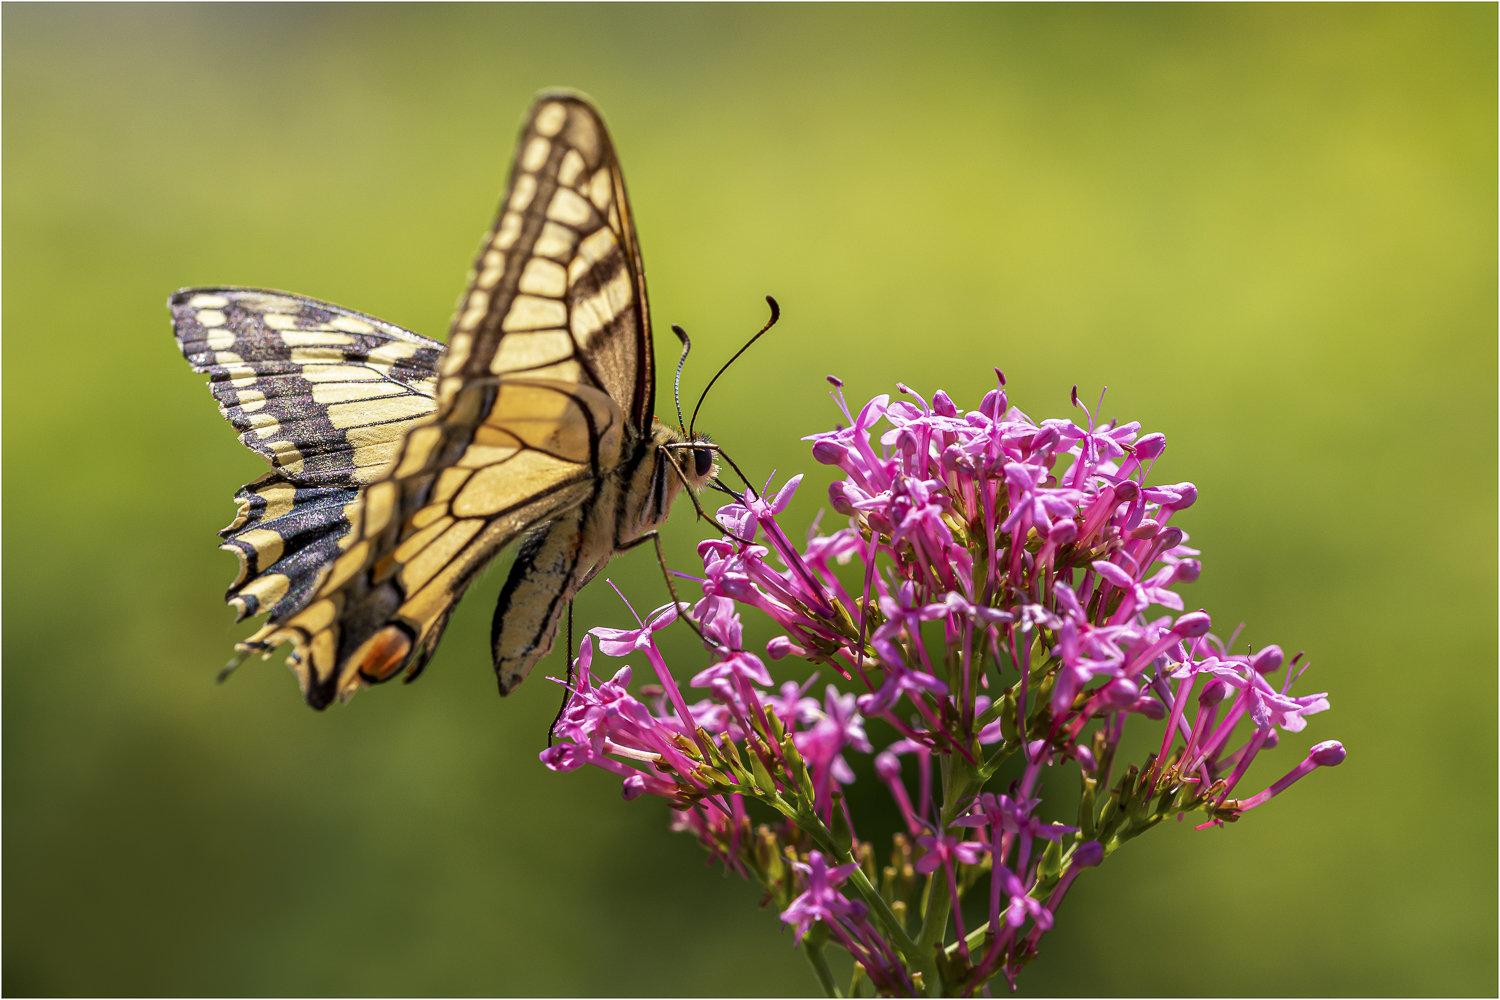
1269 230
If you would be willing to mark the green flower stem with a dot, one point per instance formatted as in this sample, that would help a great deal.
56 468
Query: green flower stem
802 813
992 763
956 775
820 968
872 898
973 940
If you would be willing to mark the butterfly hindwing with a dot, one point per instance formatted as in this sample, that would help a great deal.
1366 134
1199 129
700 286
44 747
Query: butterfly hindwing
286 534
323 394
544 391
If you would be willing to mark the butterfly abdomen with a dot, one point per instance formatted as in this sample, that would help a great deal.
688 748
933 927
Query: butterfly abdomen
555 561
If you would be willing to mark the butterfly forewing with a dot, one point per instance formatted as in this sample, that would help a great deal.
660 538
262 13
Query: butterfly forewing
557 289
545 387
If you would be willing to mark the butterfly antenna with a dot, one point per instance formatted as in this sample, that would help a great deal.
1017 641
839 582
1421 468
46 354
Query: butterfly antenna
775 315
687 345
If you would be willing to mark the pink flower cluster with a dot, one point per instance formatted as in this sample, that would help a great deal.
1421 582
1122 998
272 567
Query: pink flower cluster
1004 599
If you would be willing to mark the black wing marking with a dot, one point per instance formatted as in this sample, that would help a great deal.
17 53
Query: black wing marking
286 536
386 599
321 392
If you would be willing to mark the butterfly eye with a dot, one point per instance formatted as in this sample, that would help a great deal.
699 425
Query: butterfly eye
703 461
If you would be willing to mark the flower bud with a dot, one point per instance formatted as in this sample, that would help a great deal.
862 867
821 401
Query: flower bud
1150 446
1044 440
942 405
840 499
1085 758
1187 571
1268 660
1329 753
1088 854
1213 692
1272 738
830 452
1120 693
1113 573
994 404
887 766
779 647
955 459
1189 494
1127 491
1150 708
633 787
1063 531
1146 529
1008 728
1192 625
1169 539
563 757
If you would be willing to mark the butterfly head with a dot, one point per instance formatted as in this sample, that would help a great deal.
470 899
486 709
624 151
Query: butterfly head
681 460
694 455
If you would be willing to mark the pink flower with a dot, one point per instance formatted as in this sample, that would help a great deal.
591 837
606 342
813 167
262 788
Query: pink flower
820 901
944 848
994 591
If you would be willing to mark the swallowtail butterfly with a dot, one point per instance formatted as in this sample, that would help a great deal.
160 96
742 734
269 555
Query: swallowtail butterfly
401 466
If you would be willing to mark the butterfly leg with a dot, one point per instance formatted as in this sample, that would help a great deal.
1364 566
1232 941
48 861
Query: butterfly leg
567 684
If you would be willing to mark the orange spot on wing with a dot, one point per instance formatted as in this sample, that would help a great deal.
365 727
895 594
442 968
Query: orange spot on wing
382 654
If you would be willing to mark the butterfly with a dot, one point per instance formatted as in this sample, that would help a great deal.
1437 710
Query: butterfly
401 466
